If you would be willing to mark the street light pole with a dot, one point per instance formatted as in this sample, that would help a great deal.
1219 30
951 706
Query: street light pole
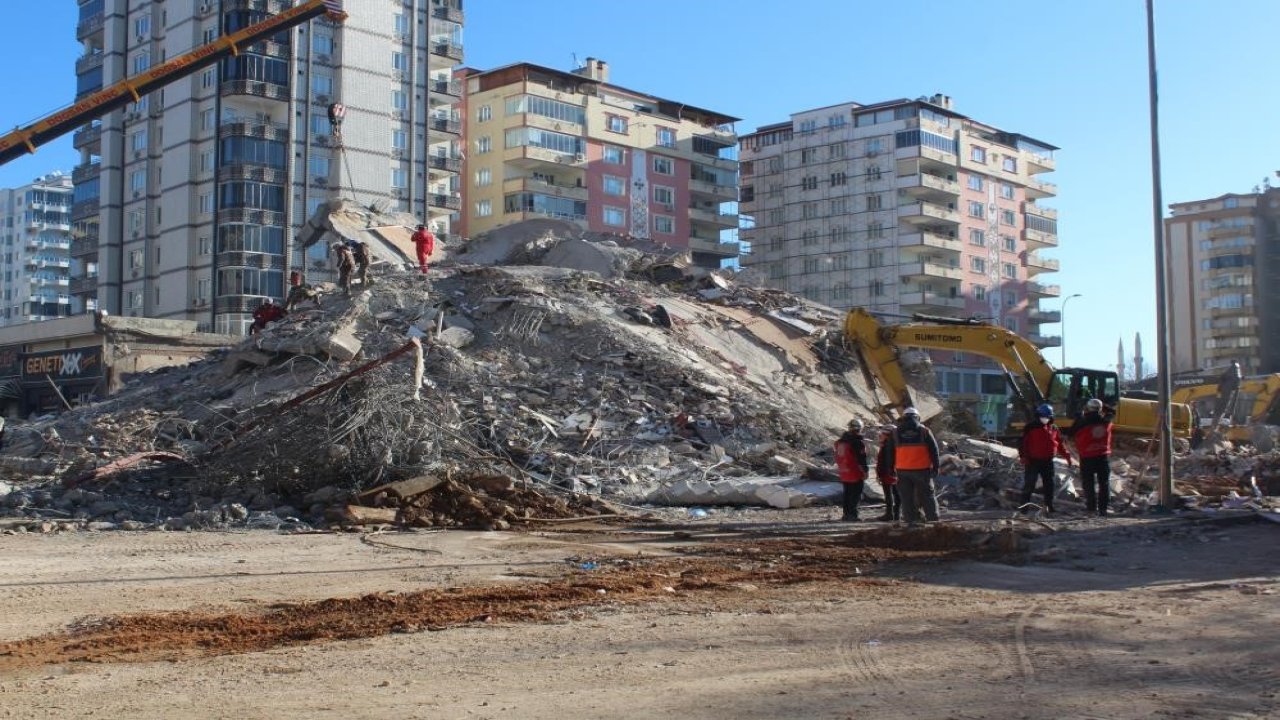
1164 384
1063 321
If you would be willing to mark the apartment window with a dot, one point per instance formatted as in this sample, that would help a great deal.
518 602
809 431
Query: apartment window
1006 191
202 288
977 264
809 183
209 35
206 203
977 209
322 44
809 237
399 100
138 180
207 119
205 247
1010 271
484 177
1008 217
484 113
142 27
977 237
321 85
875 258
1011 299
775 164
483 144
664 224
138 141
810 265
666 137
875 230
664 166
1011 324
840 262
399 61
399 178
1010 164
775 189
135 299
809 210
664 196
839 178
615 155
484 208
840 234
141 62
319 167
615 216
874 202
873 173
207 78
978 154
877 288
979 292
775 244
206 161
776 271
808 155
402 24
975 182
319 124
136 218
776 217
616 123
838 150
136 259
747 167
839 206
841 292
399 139
615 186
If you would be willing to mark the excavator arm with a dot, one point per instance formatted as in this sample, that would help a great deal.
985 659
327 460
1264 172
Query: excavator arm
26 139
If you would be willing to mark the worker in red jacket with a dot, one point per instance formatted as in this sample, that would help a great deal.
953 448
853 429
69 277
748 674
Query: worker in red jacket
851 460
425 243
267 312
887 477
1092 437
1041 443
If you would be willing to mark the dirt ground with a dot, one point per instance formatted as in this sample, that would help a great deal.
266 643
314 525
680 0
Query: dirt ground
765 614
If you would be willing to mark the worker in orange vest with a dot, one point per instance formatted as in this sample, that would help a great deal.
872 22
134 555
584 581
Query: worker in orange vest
888 480
425 244
913 451
851 461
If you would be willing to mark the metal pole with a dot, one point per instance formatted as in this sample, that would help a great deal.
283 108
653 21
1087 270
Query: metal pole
1063 321
1165 431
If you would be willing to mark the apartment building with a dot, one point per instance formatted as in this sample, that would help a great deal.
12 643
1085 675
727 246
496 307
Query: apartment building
186 203
1223 276
35 226
907 207
571 145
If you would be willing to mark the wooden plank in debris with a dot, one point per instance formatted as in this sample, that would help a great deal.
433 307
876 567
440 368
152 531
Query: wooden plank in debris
359 515
123 464
405 488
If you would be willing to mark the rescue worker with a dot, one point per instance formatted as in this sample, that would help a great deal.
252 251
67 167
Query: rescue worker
299 291
1041 443
267 312
1228 389
851 460
888 481
1092 437
425 243
346 264
913 454
360 253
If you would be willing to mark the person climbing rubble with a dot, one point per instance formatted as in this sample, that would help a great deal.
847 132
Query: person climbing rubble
267 312
851 460
346 264
425 245
888 480
1041 443
913 453
360 254
1091 434
299 291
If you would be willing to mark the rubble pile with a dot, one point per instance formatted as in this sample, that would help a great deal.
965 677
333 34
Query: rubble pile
626 380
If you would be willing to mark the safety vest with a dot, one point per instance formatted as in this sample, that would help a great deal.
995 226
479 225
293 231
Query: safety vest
849 463
911 456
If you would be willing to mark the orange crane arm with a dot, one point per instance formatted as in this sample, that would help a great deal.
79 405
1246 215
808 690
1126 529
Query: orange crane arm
25 140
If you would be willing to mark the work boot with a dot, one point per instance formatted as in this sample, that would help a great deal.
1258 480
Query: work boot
849 518
887 517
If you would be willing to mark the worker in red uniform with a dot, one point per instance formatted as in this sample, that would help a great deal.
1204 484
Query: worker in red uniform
267 312
1041 443
913 453
425 243
888 480
1091 434
851 460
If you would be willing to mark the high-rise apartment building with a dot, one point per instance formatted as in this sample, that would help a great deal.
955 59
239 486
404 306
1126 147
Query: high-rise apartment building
571 145
187 202
35 225
907 207
1223 275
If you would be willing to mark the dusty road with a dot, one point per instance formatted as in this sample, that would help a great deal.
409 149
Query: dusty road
793 618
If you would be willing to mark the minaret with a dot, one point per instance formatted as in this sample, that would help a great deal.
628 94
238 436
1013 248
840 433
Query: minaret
1120 358
1137 357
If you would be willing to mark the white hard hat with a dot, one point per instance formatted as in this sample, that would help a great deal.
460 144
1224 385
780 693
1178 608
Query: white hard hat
911 411
1093 405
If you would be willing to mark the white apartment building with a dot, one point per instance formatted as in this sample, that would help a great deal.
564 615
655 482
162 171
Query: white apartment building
35 226
907 207
187 202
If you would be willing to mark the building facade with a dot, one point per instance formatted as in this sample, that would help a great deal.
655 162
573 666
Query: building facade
35 223
907 207
1223 276
570 145
187 202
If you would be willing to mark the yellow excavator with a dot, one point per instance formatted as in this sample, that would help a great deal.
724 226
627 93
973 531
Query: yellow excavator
1256 402
1032 379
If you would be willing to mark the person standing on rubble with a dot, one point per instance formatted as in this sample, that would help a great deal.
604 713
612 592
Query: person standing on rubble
851 460
1091 434
912 452
346 264
1041 443
425 243
360 254
888 480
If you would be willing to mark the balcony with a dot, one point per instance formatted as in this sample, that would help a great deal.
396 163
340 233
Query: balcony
924 152
92 61
255 88
270 49
713 217
83 285
927 301
925 271
930 242
927 185
446 202
528 156
447 87
715 247
263 261
1044 341
573 192
1038 162
1040 210
89 25
446 125
1042 290
445 164
927 213
87 172
450 50
87 137
1037 316
722 193
1036 264
40 263
251 216
39 244
1039 239
86 247
254 173
1217 232
449 11
254 128
273 7
1037 190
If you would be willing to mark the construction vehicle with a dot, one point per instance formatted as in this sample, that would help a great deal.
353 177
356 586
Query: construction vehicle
1255 401
130 90
1031 378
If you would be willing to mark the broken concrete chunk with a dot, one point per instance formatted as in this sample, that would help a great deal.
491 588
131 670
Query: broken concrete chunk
412 487
456 337
359 515
342 345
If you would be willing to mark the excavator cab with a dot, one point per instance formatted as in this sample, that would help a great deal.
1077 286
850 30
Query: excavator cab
1071 388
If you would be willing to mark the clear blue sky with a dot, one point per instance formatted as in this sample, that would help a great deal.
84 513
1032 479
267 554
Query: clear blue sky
1070 73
